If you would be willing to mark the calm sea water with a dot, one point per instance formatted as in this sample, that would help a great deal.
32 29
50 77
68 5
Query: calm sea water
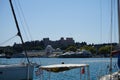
98 66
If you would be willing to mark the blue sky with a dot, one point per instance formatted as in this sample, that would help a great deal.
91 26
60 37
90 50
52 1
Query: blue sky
84 20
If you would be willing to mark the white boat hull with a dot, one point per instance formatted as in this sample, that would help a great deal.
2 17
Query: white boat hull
114 76
16 72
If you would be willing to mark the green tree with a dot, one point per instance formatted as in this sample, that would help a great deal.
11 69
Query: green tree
89 48
104 50
37 48
71 48
1 51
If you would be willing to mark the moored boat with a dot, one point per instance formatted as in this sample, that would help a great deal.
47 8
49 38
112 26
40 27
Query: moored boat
114 75
19 71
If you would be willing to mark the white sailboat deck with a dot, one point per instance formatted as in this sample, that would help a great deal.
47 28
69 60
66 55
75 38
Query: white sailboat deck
12 65
114 76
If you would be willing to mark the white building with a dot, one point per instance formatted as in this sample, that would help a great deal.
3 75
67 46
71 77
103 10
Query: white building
48 50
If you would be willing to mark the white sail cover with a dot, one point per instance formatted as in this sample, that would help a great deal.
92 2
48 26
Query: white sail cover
62 67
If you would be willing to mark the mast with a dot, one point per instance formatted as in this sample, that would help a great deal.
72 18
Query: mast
19 32
118 6
111 19
118 31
